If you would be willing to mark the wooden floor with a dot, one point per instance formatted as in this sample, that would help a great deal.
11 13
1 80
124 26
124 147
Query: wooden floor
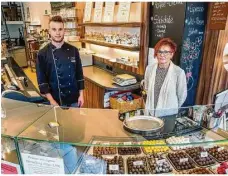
32 76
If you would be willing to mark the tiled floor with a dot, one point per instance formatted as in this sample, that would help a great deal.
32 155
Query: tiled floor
32 76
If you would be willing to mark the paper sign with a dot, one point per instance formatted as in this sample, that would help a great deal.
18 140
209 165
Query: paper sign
138 163
98 12
204 154
34 164
109 11
127 143
182 160
114 167
123 11
220 149
88 10
10 168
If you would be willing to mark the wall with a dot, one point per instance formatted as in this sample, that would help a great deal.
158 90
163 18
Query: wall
37 12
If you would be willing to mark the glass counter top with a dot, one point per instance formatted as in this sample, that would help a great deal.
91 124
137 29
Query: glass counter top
19 116
82 126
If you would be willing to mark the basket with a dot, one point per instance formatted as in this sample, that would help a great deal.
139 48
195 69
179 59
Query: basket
126 106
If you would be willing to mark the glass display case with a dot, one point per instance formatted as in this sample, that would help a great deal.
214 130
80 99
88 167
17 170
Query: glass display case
15 117
95 141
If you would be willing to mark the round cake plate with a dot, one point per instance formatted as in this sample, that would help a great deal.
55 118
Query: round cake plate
144 125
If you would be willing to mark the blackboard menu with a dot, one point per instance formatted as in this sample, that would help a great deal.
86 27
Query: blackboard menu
218 17
192 44
167 20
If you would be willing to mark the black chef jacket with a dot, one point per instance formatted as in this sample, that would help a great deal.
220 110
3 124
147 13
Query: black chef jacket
59 72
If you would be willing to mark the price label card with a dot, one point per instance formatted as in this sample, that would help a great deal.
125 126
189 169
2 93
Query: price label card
220 149
106 143
206 147
204 154
114 167
160 161
90 161
138 163
186 140
182 160
226 171
127 143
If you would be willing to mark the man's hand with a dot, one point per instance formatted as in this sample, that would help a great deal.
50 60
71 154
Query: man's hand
81 99
51 99
54 103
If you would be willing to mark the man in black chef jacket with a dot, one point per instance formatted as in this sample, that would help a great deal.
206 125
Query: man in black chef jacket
59 69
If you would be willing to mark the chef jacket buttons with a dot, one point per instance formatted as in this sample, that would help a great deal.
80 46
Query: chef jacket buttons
69 75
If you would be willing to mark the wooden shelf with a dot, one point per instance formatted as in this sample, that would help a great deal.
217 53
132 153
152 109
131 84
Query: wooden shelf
117 24
111 45
14 22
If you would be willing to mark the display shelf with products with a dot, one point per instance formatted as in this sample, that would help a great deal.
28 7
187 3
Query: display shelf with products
115 35
114 24
78 147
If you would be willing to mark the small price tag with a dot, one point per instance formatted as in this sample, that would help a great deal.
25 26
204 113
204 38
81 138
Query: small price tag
106 143
160 161
220 149
226 171
127 143
114 167
138 163
186 140
204 154
206 147
182 160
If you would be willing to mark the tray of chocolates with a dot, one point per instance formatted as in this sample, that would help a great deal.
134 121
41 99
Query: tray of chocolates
149 148
137 165
158 164
219 153
181 141
181 161
128 150
104 150
92 165
115 165
197 171
200 156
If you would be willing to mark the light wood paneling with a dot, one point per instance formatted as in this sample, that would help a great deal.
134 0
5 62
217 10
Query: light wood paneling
213 76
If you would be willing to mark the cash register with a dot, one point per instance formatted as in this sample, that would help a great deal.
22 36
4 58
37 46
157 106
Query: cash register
124 80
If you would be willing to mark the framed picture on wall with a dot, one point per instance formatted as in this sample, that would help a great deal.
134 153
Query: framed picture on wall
123 11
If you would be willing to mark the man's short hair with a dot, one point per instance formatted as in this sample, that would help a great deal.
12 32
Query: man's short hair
57 19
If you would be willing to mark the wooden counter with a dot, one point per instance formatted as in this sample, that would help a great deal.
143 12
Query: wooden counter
103 79
97 82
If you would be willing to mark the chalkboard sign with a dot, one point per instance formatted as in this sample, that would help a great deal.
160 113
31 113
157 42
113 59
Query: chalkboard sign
167 20
191 53
218 17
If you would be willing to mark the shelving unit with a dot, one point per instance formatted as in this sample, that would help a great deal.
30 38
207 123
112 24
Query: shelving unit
137 21
111 45
116 24
14 22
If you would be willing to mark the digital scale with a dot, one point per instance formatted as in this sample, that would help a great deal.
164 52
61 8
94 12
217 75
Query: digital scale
124 80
